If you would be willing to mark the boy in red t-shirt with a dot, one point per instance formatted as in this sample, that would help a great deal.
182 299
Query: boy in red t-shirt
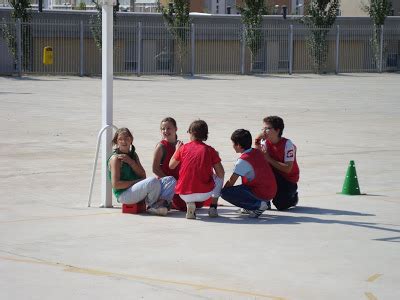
258 182
280 153
197 181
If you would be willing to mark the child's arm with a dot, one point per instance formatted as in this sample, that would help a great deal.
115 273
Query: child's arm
219 170
158 153
133 163
115 166
285 167
231 181
173 163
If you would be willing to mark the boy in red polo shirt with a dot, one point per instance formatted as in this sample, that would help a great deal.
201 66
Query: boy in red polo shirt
197 182
258 182
280 153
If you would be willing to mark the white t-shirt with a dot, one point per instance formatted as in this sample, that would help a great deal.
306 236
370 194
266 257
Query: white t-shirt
244 168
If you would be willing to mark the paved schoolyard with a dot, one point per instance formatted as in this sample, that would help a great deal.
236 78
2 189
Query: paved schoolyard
330 247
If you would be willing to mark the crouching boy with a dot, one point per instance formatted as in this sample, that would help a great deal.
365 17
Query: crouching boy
258 181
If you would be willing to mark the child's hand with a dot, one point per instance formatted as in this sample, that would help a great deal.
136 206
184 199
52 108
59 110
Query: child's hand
124 158
261 136
178 145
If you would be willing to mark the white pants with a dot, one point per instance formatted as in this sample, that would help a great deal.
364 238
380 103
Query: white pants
150 189
200 197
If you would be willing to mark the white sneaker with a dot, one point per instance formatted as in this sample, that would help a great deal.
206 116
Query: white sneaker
191 210
212 212
159 211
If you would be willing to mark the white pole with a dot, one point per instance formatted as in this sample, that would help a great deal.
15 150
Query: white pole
291 50
107 96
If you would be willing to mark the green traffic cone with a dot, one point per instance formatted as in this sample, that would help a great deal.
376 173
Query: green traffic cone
350 185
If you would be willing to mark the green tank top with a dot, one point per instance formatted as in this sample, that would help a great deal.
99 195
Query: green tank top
127 174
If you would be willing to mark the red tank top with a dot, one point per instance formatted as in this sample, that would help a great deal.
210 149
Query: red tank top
168 151
263 185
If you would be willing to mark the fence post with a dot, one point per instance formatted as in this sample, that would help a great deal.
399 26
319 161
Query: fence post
381 52
19 46
243 43
81 71
337 49
193 49
139 50
291 50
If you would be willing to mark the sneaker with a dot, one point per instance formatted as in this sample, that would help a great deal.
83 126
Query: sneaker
191 210
296 201
268 205
244 211
212 212
258 212
159 211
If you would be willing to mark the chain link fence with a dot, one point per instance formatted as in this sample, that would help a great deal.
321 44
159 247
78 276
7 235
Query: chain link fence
198 49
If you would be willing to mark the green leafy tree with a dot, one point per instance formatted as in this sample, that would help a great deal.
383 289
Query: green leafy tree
378 10
95 22
321 17
21 10
251 14
176 16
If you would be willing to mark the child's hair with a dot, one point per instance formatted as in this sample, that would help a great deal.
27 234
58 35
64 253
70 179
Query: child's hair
169 119
199 130
276 122
124 130
242 137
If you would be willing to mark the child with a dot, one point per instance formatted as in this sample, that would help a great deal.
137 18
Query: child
162 155
258 183
197 182
128 178
280 153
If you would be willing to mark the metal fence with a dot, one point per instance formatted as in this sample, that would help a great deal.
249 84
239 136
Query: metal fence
199 49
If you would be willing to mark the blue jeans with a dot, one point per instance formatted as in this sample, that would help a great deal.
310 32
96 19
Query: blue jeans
241 196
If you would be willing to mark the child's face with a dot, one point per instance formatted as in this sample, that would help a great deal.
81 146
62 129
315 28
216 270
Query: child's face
168 131
237 148
124 141
270 132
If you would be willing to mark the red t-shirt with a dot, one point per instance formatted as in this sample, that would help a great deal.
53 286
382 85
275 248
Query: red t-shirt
168 151
196 168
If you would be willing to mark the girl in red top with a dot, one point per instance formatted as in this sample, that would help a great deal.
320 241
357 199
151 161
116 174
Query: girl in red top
162 155
197 181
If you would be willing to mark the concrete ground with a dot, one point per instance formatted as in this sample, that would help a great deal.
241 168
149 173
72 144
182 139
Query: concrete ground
332 246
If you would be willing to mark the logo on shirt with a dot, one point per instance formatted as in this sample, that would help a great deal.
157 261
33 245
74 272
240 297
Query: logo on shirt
289 153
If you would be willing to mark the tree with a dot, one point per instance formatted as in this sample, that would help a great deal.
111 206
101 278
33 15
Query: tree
95 22
321 17
251 15
378 10
176 16
20 12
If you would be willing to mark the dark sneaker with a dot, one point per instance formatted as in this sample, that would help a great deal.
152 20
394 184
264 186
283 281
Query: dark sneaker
212 212
296 199
244 211
258 212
